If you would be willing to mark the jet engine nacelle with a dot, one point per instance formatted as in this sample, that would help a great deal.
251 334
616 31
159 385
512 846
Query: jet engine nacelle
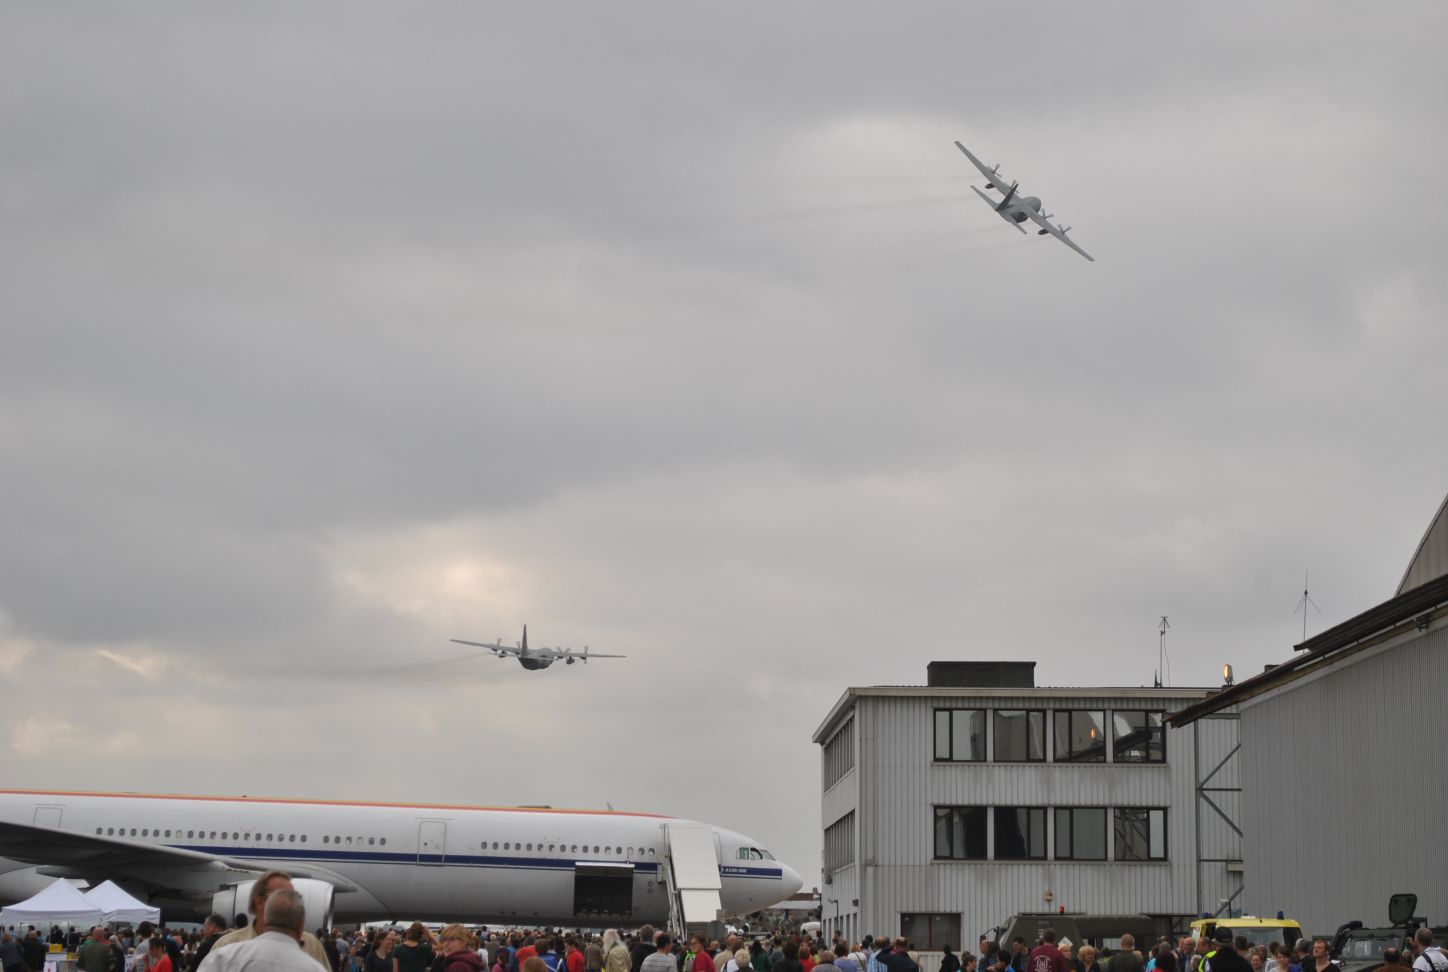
235 899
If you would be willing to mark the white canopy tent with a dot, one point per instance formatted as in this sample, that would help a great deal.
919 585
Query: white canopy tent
118 905
59 904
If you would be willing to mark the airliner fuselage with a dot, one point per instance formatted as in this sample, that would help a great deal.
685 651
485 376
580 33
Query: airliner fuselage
430 862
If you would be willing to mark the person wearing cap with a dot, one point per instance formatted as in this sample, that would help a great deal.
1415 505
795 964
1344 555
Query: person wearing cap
1224 958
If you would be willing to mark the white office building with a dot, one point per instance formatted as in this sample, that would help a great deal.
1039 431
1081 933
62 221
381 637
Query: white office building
949 806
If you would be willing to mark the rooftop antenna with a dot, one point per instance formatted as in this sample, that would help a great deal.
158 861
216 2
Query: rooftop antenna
1302 604
1163 666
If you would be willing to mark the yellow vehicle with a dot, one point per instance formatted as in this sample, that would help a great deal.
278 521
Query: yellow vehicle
1258 931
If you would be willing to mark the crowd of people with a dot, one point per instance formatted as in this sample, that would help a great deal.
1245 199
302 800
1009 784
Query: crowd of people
275 939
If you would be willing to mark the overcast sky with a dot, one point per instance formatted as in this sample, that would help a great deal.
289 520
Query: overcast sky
334 331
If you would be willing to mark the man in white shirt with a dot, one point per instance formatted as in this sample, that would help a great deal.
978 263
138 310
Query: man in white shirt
1430 957
267 884
279 947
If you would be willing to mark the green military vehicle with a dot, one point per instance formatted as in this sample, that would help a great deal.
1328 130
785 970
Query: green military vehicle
1080 928
1358 948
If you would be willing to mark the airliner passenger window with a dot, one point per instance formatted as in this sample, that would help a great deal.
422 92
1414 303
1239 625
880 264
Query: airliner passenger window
326 839
98 831
508 845
110 831
145 832
371 841
530 846
304 838
133 831
349 841
291 838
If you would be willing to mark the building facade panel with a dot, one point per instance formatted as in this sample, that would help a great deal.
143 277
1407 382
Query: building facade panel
1322 759
909 836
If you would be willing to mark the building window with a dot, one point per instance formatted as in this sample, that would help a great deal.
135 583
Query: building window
960 735
1140 834
839 843
1138 737
839 754
1080 833
960 833
1020 833
1020 735
929 932
1080 736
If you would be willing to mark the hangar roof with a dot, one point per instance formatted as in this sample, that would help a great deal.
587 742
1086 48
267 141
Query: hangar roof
1430 560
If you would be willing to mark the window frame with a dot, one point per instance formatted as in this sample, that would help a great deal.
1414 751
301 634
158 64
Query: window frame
1031 813
1157 732
929 944
995 735
1116 814
1070 812
950 713
1056 715
935 817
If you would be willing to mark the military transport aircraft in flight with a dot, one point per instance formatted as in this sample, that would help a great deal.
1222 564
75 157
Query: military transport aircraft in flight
535 658
1017 209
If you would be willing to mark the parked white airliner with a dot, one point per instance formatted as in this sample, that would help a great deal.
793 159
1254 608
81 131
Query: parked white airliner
365 861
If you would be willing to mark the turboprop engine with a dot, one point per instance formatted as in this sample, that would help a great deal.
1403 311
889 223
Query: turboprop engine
235 899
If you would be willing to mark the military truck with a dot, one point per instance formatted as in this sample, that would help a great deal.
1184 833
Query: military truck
1358 948
1082 928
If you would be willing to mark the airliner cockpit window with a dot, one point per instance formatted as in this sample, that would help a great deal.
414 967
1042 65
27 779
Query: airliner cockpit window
767 855
743 854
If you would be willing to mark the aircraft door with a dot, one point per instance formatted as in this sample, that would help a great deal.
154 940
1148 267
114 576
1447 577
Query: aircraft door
431 841
48 817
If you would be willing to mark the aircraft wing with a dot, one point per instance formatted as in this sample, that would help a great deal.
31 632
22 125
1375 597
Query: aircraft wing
567 653
497 649
1057 232
65 849
992 176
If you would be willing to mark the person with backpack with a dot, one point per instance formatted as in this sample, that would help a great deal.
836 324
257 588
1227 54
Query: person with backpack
948 961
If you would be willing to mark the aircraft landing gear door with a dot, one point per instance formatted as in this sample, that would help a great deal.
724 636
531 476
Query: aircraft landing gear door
431 841
603 890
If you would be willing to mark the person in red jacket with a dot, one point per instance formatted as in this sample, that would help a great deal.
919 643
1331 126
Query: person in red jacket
458 954
1047 957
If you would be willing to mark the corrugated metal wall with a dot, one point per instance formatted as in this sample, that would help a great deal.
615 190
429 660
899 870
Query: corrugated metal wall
898 784
1346 784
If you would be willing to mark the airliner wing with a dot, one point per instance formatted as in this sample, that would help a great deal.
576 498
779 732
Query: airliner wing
992 176
1057 232
497 649
64 849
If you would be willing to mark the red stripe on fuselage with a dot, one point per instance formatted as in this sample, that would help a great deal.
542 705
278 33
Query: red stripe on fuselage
325 803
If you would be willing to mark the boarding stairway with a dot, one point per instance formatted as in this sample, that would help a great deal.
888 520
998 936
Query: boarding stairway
691 871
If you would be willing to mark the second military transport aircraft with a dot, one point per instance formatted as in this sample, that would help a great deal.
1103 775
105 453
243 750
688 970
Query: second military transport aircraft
1016 209
534 659
193 855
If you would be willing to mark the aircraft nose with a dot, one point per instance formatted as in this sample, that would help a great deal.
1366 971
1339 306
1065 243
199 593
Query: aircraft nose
789 881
